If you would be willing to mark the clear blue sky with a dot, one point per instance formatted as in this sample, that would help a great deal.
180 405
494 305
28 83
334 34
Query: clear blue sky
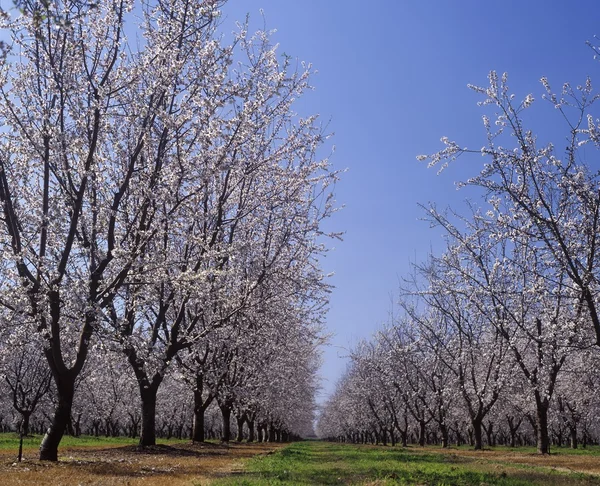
392 79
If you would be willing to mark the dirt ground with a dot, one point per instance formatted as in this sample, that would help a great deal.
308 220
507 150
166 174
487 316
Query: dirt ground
588 464
189 464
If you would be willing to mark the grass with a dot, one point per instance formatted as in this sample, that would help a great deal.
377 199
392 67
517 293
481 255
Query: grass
117 461
312 463
10 441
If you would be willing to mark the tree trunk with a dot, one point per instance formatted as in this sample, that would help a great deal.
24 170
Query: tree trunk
148 435
489 432
77 425
477 433
250 430
200 407
404 436
226 414
444 431
240 428
198 425
573 433
62 415
543 441
25 423
422 433
513 427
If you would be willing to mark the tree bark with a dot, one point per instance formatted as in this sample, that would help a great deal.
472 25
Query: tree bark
240 428
573 434
543 440
25 423
422 433
478 444
250 430
148 435
226 414
62 415
198 425
444 431
489 432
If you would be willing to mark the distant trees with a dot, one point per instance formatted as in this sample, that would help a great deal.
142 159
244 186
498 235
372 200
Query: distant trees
509 310
160 199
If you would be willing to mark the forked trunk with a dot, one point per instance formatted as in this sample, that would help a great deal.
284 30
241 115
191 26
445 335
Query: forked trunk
200 407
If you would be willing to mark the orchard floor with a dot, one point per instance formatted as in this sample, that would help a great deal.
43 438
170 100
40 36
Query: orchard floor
313 463
90 461
109 462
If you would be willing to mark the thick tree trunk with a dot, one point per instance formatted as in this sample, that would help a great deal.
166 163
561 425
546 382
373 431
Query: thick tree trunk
541 425
478 443
444 431
404 436
226 414
240 428
77 425
422 433
62 416
573 434
250 430
148 435
543 440
25 423
200 407
198 425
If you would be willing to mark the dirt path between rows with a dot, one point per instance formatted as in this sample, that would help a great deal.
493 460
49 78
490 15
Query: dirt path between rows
174 465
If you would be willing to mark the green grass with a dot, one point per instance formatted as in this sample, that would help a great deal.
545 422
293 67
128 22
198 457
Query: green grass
10 441
314 463
590 450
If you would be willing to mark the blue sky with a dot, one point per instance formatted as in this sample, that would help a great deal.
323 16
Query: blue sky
392 79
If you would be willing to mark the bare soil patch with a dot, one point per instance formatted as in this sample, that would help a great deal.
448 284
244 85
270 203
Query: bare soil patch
189 464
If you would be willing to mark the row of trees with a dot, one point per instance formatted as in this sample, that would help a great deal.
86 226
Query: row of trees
107 401
161 200
502 329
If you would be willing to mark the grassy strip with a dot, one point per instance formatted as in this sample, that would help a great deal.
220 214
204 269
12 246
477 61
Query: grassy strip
313 463
592 450
10 441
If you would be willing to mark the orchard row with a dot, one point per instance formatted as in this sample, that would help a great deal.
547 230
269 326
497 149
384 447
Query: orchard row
161 222
500 331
